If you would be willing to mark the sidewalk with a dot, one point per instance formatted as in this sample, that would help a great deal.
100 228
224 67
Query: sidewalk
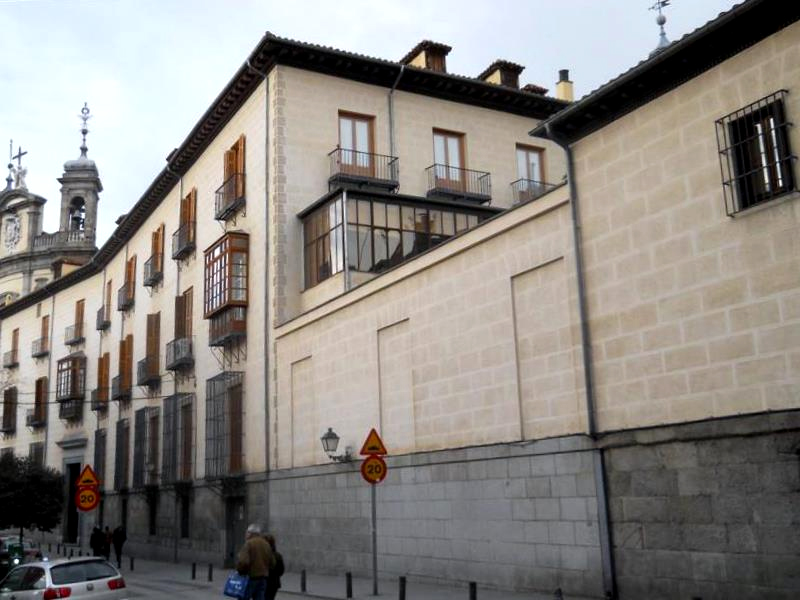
153 579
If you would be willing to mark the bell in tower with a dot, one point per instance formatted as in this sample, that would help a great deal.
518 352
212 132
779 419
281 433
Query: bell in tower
80 189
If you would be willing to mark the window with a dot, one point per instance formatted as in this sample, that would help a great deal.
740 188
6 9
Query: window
231 194
145 446
74 333
148 369
356 144
754 151
100 455
178 441
40 402
324 249
11 358
121 455
529 163
36 453
179 350
225 273
9 410
41 346
122 383
154 266
71 378
183 239
448 156
127 293
104 312
224 425
103 376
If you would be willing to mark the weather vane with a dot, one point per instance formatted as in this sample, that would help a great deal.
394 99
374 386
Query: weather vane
663 42
84 116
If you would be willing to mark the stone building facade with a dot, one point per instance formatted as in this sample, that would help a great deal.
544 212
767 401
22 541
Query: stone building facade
588 383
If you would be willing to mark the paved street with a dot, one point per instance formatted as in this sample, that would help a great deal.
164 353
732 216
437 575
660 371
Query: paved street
157 580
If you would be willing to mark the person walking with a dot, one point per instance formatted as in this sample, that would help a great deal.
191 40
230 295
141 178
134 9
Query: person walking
96 542
255 560
118 539
274 577
106 548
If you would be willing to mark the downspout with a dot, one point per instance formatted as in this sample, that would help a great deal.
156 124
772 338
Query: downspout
267 322
49 369
601 491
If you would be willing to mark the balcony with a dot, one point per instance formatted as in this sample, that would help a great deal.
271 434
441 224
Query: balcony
71 410
40 347
147 372
120 391
461 184
229 197
525 190
11 359
103 318
227 326
183 241
73 335
180 354
363 169
79 237
153 270
99 399
125 296
36 417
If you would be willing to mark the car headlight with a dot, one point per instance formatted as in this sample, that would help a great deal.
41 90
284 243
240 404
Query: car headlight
15 561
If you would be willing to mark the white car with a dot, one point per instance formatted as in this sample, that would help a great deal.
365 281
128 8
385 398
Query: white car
79 578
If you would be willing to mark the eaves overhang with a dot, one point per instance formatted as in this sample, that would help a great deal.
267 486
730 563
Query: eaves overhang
729 34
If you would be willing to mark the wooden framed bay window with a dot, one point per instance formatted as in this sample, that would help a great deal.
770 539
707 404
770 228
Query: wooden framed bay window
71 378
225 287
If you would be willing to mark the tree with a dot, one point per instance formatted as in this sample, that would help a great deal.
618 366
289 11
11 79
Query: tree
31 495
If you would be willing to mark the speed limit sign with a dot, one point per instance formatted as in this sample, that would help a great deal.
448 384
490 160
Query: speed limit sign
373 469
87 498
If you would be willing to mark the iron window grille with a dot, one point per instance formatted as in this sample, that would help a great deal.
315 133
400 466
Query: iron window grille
153 270
178 450
145 447
180 354
121 455
11 359
224 425
103 320
755 158
183 240
40 347
100 455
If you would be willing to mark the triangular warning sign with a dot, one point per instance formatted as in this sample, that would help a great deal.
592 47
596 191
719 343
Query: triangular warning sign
373 444
88 477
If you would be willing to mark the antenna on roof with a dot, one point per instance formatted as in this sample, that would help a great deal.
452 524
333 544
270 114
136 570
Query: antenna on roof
663 42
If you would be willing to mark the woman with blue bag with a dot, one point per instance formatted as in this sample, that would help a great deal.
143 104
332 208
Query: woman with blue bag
254 562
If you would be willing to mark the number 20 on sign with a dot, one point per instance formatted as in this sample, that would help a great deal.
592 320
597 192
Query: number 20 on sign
373 469
87 498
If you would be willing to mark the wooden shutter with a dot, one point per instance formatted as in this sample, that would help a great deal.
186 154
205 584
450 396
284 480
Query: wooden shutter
230 163
129 359
15 340
45 328
79 310
130 273
153 341
105 376
107 304
240 166
188 296
180 317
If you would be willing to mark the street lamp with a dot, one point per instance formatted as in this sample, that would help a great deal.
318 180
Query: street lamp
330 441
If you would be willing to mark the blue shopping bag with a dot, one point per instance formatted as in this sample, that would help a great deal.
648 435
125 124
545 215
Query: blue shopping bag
236 586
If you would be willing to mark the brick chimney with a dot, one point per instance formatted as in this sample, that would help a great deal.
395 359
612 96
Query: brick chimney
502 72
428 55
564 86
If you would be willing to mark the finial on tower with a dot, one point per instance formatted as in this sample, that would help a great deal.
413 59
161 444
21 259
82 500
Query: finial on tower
84 116
663 42
10 178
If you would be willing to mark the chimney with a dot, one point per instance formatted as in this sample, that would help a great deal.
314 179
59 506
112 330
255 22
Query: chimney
502 72
428 55
564 86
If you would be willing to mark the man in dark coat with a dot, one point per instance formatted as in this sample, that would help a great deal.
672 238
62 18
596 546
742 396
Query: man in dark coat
255 560
118 539
96 542
274 577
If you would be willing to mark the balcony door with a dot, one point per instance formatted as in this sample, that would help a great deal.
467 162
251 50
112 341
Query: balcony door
448 154
355 143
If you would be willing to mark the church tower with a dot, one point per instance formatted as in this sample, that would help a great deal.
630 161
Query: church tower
80 189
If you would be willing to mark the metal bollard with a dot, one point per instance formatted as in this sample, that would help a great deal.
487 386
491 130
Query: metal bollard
303 580
131 563
473 590
401 589
348 578
210 572
194 570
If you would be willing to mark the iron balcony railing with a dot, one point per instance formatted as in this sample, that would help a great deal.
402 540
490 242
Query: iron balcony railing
353 166
180 354
73 334
183 240
153 270
103 318
125 296
99 399
524 190
40 347
120 390
229 197
227 326
71 410
36 417
10 359
455 182
147 372
63 238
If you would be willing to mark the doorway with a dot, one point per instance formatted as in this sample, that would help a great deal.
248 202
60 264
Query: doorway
71 520
235 528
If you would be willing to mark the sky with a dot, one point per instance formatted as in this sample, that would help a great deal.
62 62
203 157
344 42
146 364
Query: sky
150 68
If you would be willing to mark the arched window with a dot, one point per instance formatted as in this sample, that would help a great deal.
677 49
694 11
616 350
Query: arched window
77 214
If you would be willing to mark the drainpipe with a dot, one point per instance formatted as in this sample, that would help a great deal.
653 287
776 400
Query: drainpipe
392 144
267 321
601 491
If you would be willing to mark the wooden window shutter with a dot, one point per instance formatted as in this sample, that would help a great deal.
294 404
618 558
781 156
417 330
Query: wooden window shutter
15 340
188 296
121 365
153 335
45 327
79 308
129 358
240 167
192 205
180 317
130 271
230 164
107 305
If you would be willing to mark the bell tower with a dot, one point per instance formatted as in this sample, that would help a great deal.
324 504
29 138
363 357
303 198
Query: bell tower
80 189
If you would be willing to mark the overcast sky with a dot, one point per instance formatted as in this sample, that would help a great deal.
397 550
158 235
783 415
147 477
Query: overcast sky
150 68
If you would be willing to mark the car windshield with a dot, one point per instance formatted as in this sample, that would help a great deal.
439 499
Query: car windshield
81 571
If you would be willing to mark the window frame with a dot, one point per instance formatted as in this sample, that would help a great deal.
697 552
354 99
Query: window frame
219 274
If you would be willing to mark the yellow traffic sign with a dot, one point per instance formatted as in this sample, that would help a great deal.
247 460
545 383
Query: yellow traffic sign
88 477
87 498
373 469
373 445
